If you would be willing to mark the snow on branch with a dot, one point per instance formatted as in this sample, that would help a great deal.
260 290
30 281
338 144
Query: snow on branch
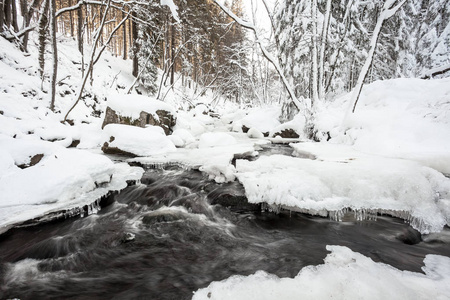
173 8
436 71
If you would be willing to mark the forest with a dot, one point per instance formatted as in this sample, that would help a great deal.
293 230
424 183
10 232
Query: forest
320 48
225 149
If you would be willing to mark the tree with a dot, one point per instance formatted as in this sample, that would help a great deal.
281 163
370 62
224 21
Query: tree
54 52
389 9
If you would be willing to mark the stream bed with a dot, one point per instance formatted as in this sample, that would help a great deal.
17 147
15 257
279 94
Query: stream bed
176 232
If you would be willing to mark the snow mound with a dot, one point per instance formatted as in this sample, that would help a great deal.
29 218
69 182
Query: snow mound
139 141
132 105
342 178
255 133
262 119
344 275
297 125
216 139
185 136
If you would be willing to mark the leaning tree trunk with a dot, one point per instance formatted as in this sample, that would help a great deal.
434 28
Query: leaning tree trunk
55 54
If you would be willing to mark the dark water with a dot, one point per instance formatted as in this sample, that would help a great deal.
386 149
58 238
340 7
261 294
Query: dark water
164 239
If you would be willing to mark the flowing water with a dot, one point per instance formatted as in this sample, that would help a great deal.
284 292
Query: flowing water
175 232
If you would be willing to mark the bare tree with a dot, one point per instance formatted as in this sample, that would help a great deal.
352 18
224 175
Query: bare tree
91 61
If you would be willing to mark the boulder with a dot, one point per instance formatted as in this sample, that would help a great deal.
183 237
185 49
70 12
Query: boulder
162 118
287 133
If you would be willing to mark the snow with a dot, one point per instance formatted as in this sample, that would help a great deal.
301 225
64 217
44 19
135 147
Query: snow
215 161
341 178
173 8
262 119
297 124
63 179
133 105
343 275
139 141
216 139
403 118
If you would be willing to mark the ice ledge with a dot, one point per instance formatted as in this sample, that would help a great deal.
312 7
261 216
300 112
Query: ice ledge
359 214
84 204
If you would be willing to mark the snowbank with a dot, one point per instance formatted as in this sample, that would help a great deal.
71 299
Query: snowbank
405 118
139 141
61 180
344 275
342 178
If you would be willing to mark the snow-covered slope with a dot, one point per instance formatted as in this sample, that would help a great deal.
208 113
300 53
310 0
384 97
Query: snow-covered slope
38 174
405 118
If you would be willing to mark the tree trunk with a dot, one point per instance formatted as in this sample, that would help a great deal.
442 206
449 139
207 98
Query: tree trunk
324 42
55 53
2 18
172 53
71 20
134 32
14 15
314 85
125 56
80 29
27 19
43 20
7 12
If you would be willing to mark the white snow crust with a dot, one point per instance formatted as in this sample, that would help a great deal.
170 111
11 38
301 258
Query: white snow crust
342 178
344 275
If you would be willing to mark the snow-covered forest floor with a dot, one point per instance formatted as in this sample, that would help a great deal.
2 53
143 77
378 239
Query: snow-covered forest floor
391 156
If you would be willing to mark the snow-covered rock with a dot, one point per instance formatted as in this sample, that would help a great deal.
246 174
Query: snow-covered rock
63 179
125 139
291 129
262 119
140 111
